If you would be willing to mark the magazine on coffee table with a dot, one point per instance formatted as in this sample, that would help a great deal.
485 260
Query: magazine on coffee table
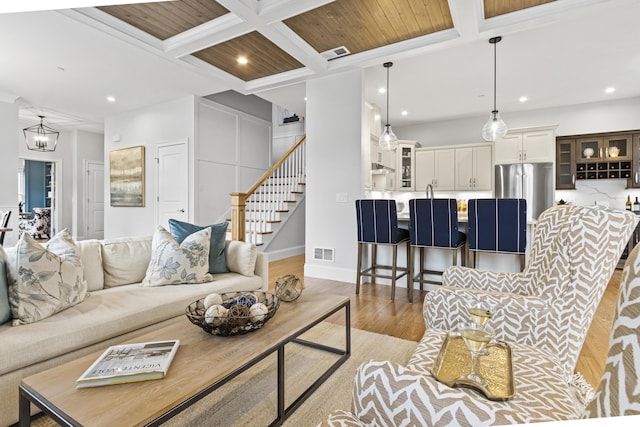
130 363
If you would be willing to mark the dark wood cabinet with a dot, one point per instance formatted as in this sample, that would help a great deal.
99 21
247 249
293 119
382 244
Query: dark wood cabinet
634 181
612 155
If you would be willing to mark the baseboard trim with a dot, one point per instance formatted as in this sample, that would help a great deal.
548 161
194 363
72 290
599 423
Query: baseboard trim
347 275
284 253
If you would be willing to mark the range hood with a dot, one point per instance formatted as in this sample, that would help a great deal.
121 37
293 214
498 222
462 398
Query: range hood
379 169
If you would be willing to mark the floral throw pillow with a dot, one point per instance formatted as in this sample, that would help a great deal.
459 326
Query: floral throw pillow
44 281
173 263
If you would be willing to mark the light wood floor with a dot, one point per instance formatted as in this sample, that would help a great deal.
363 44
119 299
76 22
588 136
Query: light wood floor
373 311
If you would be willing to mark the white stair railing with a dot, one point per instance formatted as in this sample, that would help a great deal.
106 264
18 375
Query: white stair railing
253 213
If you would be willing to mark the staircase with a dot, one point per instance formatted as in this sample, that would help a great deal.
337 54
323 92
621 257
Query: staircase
258 214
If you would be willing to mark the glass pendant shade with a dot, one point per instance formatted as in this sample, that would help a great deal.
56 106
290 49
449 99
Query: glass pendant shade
41 137
495 128
388 141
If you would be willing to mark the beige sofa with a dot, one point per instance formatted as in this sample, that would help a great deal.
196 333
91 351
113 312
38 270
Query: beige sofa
117 309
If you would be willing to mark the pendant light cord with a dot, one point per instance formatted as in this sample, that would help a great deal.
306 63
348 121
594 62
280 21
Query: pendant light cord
387 65
495 79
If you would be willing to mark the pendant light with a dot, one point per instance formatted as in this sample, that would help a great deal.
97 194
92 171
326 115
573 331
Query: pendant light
41 137
388 140
495 128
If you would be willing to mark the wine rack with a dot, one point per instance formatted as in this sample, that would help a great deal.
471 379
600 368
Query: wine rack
604 170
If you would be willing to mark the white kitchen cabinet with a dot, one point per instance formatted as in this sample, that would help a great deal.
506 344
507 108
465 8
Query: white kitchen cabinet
435 167
473 168
531 145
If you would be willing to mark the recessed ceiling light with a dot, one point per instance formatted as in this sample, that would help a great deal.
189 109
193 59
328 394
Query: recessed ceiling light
376 117
523 99
111 99
305 99
242 60
610 89
382 90
404 112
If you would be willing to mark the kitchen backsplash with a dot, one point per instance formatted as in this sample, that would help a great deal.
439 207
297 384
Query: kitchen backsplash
611 192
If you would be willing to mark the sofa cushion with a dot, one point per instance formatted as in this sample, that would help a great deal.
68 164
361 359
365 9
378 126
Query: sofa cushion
125 260
173 263
108 313
44 281
217 259
5 310
241 257
91 257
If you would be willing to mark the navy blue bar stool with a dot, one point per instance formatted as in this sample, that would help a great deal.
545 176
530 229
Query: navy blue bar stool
378 225
433 223
499 226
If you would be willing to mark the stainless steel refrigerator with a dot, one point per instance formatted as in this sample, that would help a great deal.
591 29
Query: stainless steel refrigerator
530 181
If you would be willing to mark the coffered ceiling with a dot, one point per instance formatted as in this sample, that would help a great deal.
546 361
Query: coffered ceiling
194 46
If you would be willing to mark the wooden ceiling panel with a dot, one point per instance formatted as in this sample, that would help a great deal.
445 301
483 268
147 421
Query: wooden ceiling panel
493 8
265 58
166 19
360 27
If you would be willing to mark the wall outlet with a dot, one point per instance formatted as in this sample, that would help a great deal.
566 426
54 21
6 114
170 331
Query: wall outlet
342 197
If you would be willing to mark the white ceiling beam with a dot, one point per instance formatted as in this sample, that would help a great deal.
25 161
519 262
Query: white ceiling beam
210 33
35 5
466 17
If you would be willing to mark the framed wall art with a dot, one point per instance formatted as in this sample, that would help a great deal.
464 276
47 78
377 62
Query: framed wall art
126 176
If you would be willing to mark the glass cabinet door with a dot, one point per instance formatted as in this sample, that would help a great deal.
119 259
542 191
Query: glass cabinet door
566 165
406 168
589 150
618 147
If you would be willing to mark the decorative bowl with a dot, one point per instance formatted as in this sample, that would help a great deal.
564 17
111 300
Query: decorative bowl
238 318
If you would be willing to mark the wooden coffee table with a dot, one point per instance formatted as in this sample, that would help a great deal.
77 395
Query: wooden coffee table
202 364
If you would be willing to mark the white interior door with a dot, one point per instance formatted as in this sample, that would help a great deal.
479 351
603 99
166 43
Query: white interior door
173 183
94 201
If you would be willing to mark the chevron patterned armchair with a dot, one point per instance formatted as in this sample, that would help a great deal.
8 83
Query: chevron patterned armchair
386 394
550 303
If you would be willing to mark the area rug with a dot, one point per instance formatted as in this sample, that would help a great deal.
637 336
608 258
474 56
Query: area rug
250 399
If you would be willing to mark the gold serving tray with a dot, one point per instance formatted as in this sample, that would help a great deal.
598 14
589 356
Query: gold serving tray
454 361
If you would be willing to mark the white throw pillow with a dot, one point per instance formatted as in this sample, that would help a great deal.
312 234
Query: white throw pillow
172 263
125 260
241 257
44 281
90 252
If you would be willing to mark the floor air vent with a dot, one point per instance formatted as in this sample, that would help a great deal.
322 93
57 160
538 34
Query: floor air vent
323 254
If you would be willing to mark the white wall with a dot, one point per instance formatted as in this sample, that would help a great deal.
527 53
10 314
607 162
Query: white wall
333 166
284 136
9 165
89 147
575 119
232 152
158 124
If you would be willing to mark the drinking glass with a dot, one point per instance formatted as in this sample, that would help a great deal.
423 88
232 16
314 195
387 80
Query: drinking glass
480 315
476 338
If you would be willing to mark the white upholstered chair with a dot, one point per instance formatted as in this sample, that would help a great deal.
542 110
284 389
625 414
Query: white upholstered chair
386 394
551 303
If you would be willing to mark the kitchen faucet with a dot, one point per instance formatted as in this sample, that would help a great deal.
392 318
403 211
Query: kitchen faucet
429 187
